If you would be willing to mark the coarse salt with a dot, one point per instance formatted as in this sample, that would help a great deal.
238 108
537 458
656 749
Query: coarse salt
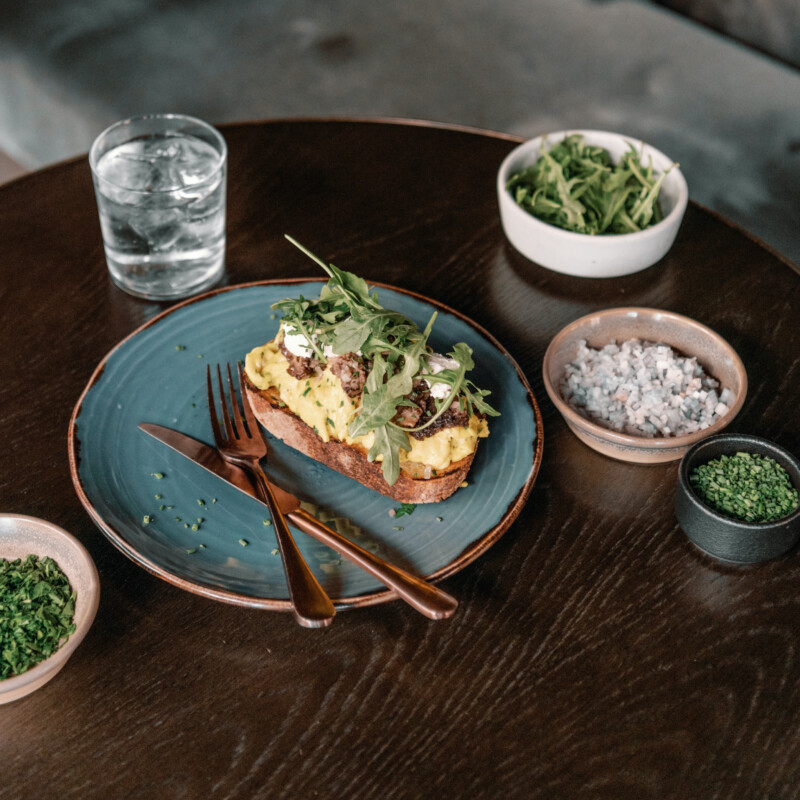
643 388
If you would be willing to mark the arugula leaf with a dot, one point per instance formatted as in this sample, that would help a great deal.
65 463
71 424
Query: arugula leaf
377 374
354 288
377 408
389 440
463 354
402 383
351 335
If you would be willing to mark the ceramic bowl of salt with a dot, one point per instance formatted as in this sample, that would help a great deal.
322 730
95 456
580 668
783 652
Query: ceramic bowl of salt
643 385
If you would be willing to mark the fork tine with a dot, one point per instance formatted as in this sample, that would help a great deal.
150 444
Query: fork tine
229 429
242 432
252 424
212 409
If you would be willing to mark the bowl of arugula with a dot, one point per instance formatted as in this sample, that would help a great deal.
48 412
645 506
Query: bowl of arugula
591 203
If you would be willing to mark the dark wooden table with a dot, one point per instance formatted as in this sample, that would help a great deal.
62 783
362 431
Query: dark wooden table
595 653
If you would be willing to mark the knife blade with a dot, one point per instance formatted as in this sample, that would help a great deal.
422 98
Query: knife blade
421 595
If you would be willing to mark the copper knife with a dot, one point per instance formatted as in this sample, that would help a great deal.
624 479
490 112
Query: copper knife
421 595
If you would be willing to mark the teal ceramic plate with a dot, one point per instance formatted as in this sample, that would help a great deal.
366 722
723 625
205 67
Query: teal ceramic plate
186 526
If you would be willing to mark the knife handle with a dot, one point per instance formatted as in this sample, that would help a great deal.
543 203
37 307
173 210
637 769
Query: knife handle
421 595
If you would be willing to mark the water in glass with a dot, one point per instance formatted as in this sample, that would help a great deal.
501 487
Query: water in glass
161 200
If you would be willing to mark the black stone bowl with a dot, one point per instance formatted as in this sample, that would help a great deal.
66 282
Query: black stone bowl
722 537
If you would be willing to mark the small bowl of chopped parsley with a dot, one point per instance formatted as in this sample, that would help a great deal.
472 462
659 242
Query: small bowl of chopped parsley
49 593
738 498
591 203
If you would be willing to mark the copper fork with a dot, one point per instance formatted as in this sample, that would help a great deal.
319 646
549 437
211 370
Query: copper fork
242 444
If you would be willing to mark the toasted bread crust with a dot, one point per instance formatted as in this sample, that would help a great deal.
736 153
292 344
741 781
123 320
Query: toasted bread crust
351 460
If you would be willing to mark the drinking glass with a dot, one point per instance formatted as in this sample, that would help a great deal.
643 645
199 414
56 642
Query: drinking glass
160 184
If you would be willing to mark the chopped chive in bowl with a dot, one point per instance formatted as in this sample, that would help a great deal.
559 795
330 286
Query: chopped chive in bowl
746 486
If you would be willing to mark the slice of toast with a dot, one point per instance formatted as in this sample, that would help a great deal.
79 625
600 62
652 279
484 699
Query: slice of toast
411 487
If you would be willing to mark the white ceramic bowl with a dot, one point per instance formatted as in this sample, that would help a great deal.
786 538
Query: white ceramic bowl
605 256
21 536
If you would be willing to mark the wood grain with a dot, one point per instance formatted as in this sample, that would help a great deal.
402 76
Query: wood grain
595 653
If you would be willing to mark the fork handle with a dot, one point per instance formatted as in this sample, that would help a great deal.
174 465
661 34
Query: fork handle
312 607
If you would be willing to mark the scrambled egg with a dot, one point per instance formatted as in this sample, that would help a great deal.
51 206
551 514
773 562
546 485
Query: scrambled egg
321 402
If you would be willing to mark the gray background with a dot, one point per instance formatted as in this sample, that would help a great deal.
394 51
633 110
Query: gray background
728 109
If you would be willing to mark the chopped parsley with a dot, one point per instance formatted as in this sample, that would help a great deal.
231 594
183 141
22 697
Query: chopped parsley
405 509
37 607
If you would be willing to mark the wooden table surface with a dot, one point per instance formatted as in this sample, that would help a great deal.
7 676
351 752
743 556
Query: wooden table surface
595 653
